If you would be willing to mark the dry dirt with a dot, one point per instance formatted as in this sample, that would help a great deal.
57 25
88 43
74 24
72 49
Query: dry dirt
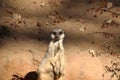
24 42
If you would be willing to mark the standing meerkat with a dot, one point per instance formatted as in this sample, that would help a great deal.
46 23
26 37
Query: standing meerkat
53 64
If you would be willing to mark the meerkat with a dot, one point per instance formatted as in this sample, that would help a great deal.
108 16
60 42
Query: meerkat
53 63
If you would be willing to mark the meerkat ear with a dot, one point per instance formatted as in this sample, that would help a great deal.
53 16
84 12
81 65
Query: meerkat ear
52 34
64 32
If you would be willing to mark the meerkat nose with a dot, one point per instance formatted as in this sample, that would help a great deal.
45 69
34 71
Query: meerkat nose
57 35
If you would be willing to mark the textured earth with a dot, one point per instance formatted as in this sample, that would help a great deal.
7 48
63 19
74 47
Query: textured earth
91 46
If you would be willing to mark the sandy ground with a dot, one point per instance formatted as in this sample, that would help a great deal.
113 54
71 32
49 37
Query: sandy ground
23 43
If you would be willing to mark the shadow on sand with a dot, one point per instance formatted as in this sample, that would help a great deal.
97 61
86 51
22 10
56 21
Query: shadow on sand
29 76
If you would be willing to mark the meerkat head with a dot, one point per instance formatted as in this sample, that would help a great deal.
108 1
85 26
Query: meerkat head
57 34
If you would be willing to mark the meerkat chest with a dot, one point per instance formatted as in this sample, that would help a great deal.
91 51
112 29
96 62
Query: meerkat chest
56 46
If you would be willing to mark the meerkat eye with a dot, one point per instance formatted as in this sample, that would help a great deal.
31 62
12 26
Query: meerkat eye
60 32
54 33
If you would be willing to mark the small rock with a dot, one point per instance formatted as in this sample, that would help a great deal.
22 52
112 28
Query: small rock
29 50
34 2
93 52
109 5
93 42
81 20
51 16
82 28
38 24
95 16
42 4
108 21
46 23
17 16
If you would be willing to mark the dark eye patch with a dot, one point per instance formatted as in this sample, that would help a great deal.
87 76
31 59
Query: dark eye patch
54 33
60 32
